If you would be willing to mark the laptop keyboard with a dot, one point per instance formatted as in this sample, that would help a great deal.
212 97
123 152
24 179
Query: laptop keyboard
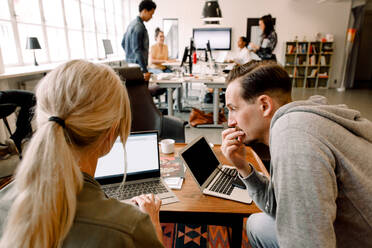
135 189
223 184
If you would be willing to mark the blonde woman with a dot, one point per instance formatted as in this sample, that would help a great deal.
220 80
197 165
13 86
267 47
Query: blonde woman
54 200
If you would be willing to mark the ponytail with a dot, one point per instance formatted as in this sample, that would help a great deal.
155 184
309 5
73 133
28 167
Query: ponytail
48 180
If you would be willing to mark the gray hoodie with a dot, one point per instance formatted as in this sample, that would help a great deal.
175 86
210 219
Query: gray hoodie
320 190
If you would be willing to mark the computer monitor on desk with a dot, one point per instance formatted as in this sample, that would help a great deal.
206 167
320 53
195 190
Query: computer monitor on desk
108 47
209 51
185 55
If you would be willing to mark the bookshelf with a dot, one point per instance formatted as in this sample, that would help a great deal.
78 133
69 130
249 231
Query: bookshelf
308 63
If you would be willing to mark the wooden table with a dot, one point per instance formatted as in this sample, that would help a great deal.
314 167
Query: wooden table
196 208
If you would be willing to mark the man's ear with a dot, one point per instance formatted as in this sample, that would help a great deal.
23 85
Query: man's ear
266 105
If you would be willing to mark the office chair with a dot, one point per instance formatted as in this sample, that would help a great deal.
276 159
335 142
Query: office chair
145 115
7 109
263 153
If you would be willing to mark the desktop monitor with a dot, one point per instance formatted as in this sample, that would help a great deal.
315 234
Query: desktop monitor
209 50
108 47
220 38
184 57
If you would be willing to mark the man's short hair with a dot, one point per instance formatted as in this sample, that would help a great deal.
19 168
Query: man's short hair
147 5
257 78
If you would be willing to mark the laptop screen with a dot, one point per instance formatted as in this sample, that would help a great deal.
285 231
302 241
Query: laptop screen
142 157
201 160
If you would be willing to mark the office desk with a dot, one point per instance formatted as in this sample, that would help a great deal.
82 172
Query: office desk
196 208
21 74
170 85
215 83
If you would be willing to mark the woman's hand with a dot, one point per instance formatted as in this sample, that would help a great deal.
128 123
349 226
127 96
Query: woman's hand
233 149
150 204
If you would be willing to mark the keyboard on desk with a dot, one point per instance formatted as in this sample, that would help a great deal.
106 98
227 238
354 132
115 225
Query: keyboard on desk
223 184
131 190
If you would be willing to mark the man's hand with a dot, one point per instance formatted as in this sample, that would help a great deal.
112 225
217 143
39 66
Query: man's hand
147 76
233 149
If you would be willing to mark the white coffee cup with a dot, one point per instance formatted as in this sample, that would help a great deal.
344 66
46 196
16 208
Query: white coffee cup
167 146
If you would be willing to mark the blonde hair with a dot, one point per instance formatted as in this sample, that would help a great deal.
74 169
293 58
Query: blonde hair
92 101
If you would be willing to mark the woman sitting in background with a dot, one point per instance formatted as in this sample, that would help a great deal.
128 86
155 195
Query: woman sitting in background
268 39
54 200
159 54
244 55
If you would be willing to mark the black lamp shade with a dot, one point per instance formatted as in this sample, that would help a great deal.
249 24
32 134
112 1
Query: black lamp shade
32 43
211 11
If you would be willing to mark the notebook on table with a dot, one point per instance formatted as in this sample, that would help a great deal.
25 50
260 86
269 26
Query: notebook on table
143 169
212 177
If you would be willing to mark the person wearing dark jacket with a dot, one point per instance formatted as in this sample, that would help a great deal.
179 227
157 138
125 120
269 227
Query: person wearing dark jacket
268 41
136 39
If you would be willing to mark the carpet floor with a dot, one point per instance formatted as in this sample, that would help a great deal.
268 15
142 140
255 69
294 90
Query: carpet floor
178 235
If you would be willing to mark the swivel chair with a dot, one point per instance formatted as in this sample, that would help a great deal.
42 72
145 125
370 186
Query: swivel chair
7 109
145 115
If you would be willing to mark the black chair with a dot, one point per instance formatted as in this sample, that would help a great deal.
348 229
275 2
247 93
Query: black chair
145 115
263 152
7 109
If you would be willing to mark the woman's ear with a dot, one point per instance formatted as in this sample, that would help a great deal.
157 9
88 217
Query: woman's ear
109 139
266 105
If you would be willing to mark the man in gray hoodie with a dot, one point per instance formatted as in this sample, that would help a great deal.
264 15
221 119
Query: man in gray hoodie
319 193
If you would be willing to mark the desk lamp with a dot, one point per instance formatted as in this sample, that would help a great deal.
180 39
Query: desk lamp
32 44
211 12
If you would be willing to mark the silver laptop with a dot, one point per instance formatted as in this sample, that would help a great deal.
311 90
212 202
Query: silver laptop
213 178
143 169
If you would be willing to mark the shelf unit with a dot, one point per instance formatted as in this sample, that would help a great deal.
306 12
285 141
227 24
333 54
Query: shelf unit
308 63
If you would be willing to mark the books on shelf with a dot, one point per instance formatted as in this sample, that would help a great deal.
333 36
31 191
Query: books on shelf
313 60
313 73
323 75
323 60
290 49
173 171
307 62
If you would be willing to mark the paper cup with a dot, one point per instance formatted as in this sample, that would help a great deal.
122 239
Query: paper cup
167 146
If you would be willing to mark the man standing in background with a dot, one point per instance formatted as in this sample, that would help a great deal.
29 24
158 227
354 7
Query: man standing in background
136 39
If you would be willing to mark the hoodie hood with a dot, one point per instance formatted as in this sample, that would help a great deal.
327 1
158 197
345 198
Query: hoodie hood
340 114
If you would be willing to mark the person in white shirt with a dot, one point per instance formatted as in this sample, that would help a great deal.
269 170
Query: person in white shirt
243 55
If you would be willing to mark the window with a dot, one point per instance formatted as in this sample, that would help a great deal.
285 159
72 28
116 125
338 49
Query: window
53 13
7 44
27 11
72 10
76 32
4 10
57 44
76 44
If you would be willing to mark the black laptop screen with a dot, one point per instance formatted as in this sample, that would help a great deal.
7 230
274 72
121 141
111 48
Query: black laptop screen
201 160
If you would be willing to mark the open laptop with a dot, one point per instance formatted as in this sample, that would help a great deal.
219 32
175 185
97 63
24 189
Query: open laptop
143 169
212 177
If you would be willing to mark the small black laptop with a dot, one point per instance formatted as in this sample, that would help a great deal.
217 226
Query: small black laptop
212 177
143 169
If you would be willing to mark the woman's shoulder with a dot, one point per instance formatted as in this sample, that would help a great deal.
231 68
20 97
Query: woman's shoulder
94 206
155 46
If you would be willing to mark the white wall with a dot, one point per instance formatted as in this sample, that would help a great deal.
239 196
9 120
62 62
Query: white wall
293 17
